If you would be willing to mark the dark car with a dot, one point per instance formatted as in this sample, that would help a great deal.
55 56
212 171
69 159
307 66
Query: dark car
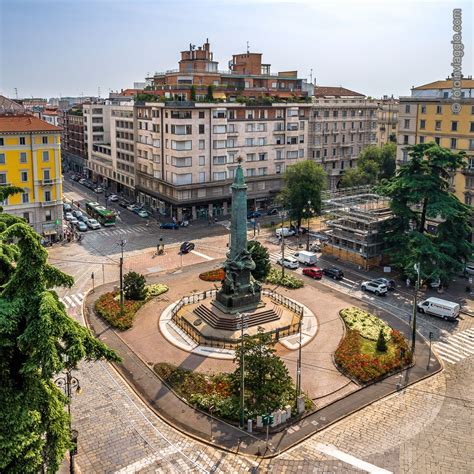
169 225
67 207
313 272
390 284
333 272
253 214
186 247
123 203
272 212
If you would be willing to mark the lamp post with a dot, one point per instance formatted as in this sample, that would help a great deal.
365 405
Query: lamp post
298 365
242 324
121 244
415 309
282 235
309 212
69 384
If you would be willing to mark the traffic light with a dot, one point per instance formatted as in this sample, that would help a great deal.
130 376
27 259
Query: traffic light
267 420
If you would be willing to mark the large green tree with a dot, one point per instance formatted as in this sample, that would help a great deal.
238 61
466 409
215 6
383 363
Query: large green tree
420 195
304 181
268 385
37 341
261 257
373 165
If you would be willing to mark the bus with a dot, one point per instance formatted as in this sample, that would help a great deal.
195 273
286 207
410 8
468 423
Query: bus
99 212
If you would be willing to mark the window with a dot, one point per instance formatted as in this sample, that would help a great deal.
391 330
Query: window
45 156
25 198
262 156
181 162
292 113
407 123
262 171
202 144
202 161
180 179
292 154
453 143
471 144
219 114
219 175
439 109
422 124
47 215
472 127
279 155
407 109
23 176
2 158
219 144
292 126
294 140
454 126
202 176
201 128
423 109
437 140
251 157
3 179
468 199
438 125
219 160
181 114
470 164
405 139
45 140
2 142
422 139
301 153
201 114
26 216
181 145
405 156
181 129
249 142
22 141
23 158
251 172
47 196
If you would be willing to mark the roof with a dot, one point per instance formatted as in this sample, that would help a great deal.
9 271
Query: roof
8 106
446 84
324 91
25 123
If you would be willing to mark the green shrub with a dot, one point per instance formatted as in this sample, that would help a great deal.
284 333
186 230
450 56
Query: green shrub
288 281
134 286
381 342
155 289
367 324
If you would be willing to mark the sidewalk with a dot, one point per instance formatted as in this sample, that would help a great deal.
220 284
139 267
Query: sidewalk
176 412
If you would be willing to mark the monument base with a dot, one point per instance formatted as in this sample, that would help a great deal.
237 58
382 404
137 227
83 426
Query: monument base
233 304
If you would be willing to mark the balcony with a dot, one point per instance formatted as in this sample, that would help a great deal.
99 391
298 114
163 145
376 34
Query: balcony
50 203
468 171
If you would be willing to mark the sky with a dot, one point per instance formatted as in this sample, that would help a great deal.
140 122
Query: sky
51 48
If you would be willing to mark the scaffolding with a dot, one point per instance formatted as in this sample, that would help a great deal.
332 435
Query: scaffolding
353 219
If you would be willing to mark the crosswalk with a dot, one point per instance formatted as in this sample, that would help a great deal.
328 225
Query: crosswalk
456 347
116 231
72 301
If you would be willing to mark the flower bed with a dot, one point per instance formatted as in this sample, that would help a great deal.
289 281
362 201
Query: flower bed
108 307
155 289
359 358
366 324
288 281
213 275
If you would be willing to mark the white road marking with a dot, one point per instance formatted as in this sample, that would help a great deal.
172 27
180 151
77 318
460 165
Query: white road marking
77 299
349 459
199 254
70 301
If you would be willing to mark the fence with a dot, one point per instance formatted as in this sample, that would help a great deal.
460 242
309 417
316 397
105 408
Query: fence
230 343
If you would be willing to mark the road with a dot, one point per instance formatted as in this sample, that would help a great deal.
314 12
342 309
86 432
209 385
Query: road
425 428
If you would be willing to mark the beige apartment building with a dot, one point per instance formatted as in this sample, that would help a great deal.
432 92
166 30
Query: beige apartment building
341 124
179 157
387 120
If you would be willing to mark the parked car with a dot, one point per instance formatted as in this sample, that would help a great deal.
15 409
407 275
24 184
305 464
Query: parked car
375 287
253 214
143 213
313 272
333 272
80 226
123 203
113 198
82 181
76 214
133 207
469 270
273 211
83 218
169 225
315 248
306 258
99 189
288 262
286 231
68 216
75 177
441 308
67 207
73 221
186 247
90 185
93 224
389 283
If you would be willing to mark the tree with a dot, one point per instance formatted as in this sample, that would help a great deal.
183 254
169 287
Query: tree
37 341
134 286
420 194
193 93
304 181
260 256
381 342
268 385
373 165
210 93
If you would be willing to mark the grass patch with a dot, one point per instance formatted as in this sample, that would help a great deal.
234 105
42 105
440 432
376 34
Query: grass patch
288 281
367 324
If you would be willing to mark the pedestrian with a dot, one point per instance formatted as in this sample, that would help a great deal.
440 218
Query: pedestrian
258 228
408 282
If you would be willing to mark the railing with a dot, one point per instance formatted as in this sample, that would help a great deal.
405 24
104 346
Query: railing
284 301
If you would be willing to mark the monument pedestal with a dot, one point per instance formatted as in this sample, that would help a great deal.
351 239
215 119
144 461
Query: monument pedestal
238 303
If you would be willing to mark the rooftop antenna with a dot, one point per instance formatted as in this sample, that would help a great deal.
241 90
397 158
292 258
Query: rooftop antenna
311 76
98 92
16 93
248 47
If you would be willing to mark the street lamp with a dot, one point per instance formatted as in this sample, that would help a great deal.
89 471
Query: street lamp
298 365
282 236
242 324
415 309
121 244
309 212
69 384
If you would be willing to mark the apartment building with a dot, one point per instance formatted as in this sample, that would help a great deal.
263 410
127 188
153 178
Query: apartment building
30 157
341 124
73 149
247 77
387 120
427 116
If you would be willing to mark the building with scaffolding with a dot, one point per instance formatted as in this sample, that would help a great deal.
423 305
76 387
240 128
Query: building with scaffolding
353 221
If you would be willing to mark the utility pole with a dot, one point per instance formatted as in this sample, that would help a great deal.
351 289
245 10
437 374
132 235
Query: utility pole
242 325
122 244
282 235
298 366
415 309
310 211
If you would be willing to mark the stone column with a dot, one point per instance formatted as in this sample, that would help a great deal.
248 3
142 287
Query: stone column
179 212
210 210
224 208
194 213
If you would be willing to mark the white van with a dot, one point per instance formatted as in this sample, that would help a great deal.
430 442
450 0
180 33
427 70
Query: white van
287 232
441 308
306 258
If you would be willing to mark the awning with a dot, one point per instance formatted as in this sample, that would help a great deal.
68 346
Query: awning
219 95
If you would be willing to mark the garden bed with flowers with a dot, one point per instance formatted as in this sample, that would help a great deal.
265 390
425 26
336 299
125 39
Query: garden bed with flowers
359 355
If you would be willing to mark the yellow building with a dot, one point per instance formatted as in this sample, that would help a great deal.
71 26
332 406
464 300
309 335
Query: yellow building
427 115
30 157
387 120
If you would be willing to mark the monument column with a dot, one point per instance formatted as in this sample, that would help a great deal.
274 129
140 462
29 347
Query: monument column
238 226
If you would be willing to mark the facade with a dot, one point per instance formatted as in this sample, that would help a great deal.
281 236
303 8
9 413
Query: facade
342 123
73 150
387 121
50 115
246 77
427 116
30 158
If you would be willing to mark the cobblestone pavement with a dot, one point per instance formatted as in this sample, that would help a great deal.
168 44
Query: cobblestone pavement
425 428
